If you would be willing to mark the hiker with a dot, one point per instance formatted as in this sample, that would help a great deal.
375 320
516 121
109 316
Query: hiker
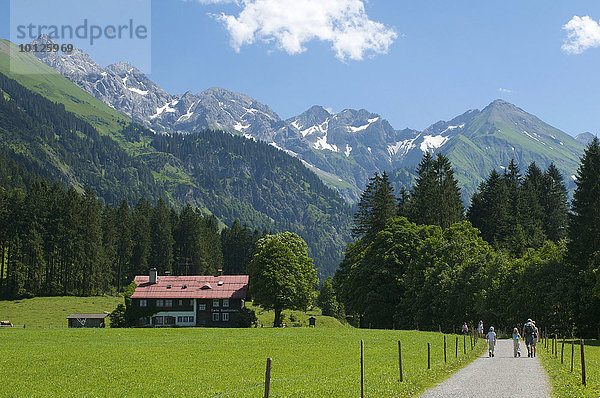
535 338
480 329
516 345
491 339
528 334
465 328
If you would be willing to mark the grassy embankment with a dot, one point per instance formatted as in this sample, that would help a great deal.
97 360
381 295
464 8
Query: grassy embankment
566 383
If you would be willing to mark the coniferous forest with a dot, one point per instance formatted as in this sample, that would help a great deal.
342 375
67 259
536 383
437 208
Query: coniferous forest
57 241
521 251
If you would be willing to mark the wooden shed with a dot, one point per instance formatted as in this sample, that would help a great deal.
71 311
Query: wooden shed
87 320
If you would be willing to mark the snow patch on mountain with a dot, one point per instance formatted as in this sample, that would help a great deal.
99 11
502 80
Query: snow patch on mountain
137 90
432 142
353 129
166 108
240 127
348 150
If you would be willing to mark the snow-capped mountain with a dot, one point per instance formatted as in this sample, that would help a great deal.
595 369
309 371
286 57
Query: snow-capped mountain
345 148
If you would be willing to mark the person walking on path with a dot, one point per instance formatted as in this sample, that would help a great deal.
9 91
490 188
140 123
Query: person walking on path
465 328
480 329
516 345
491 339
535 339
528 333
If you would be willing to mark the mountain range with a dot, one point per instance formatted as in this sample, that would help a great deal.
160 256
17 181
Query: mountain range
344 148
54 129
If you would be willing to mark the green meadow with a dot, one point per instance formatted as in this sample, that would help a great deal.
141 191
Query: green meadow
48 359
569 384
307 362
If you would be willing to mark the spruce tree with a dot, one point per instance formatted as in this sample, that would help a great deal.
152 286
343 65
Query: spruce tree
376 207
584 230
435 198
555 204
161 238
584 238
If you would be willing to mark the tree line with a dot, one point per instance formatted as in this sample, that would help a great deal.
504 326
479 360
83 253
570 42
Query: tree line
57 241
519 251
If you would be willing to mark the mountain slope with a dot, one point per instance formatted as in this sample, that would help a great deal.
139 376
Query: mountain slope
226 175
501 132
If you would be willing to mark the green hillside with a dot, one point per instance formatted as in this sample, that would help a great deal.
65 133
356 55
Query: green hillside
44 80
502 132
221 174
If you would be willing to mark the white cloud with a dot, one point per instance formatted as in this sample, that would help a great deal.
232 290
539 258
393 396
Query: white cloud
504 90
290 24
582 33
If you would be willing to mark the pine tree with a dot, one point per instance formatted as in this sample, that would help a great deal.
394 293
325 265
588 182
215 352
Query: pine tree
489 211
555 204
584 234
584 230
435 198
376 207
161 238
531 211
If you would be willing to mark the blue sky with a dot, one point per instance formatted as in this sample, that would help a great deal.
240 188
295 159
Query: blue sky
438 58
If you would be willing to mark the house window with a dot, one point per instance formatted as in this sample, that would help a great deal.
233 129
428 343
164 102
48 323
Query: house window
201 307
226 303
158 320
215 302
168 303
160 303
143 303
180 319
188 319
225 317
215 316
181 303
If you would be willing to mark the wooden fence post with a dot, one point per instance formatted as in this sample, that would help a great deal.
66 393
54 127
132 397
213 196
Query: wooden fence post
582 364
572 351
445 349
562 351
362 369
456 351
400 358
268 378
428 356
465 345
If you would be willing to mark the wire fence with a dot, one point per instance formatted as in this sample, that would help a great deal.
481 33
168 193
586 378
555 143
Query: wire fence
571 353
468 346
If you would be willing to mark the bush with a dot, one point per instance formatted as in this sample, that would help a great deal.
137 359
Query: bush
246 318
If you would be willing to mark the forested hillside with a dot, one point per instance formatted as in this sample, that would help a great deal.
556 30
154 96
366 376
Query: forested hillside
228 176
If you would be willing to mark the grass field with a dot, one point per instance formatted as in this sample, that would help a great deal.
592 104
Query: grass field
52 312
565 383
307 362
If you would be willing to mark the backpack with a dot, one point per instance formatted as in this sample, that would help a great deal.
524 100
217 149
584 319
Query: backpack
529 328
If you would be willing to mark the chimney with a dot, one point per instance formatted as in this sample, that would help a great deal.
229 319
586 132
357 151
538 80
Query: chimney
153 275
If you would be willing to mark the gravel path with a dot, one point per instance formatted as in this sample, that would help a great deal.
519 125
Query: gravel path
501 376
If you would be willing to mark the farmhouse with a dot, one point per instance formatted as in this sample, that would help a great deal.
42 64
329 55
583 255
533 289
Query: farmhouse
212 301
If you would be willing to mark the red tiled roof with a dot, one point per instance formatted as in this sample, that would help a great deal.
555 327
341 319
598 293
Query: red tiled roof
203 287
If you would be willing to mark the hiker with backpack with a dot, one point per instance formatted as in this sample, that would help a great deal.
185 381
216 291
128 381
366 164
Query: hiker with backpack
529 334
